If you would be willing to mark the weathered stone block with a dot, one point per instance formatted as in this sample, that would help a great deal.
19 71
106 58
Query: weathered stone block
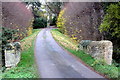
100 50
12 54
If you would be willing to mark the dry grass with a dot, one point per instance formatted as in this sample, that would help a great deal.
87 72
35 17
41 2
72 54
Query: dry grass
26 43
64 40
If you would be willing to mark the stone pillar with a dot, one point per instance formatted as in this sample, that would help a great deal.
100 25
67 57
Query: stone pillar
108 50
12 54
101 50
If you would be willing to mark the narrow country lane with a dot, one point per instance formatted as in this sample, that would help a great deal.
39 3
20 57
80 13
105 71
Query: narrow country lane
54 62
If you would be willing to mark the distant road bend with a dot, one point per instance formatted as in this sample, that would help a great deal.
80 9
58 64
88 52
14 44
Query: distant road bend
54 62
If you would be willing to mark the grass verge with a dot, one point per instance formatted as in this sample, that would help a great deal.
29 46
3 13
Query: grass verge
110 71
27 67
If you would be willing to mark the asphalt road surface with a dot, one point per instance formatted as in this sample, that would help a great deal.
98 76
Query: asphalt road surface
54 62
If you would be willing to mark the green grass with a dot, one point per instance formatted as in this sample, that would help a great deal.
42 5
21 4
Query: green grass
27 67
110 71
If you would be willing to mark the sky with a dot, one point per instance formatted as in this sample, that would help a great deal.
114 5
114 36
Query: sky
42 1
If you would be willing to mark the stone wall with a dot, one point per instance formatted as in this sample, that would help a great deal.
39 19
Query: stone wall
101 50
12 54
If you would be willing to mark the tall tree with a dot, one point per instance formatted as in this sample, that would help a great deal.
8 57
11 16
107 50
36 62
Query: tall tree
40 20
35 7
54 7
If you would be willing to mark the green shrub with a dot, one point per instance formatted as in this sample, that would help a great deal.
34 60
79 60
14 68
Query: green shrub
111 20
8 35
39 23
